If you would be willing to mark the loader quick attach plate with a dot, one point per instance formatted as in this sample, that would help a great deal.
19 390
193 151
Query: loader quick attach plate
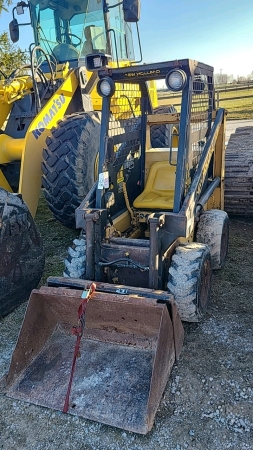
129 346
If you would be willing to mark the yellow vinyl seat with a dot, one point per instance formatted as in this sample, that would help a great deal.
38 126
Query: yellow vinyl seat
159 190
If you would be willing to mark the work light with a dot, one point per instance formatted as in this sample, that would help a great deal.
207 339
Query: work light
95 61
176 80
106 87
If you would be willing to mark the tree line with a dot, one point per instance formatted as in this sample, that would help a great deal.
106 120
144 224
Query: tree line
224 78
11 56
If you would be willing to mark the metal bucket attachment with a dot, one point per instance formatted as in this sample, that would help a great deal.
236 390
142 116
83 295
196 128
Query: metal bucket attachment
127 351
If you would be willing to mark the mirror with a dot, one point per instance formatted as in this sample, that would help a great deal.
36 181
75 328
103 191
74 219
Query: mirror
14 30
132 10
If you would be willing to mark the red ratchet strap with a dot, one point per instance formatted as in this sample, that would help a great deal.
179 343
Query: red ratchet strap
78 332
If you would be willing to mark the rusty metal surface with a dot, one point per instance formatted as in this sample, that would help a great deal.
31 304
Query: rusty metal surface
77 283
127 352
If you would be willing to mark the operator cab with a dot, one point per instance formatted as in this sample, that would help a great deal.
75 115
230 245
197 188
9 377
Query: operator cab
69 29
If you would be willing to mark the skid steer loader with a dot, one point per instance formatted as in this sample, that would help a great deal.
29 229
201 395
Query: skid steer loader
152 230
50 125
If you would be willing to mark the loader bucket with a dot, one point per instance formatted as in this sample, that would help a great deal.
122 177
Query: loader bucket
127 351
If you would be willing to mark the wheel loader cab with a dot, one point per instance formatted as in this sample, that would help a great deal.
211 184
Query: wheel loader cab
63 28
67 30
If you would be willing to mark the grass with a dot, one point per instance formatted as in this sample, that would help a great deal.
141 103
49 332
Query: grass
241 108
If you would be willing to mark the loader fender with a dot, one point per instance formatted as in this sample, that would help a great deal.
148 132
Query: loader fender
40 128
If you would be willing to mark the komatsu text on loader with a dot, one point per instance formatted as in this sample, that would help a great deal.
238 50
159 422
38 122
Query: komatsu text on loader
50 125
152 230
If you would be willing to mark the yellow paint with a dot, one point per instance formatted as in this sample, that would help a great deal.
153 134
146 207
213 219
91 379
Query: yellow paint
159 189
153 93
4 112
61 72
30 172
122 222
11 149
216 200
18 88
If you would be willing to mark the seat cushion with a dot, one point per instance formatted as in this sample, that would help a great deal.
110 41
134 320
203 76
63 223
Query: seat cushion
155 199
158 192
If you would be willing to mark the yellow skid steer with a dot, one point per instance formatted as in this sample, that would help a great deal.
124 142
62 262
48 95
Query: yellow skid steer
101 341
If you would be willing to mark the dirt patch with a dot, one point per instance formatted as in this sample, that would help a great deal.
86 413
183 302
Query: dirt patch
208 402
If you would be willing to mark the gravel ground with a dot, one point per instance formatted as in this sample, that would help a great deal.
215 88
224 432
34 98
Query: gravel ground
208 402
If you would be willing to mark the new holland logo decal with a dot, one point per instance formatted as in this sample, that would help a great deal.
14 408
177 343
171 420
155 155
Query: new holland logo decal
143 74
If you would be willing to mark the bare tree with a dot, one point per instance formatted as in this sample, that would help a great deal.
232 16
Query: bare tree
221 78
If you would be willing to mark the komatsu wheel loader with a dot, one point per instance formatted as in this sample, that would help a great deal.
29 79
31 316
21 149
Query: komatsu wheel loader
50 125
101 341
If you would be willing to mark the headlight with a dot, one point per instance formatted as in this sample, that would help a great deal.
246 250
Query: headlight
106 87
176 80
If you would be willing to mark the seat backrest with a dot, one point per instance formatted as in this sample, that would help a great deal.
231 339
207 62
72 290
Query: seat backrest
161 177
154 155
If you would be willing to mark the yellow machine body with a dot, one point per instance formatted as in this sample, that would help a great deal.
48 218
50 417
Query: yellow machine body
29 149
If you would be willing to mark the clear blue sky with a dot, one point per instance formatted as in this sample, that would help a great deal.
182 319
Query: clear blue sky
216 32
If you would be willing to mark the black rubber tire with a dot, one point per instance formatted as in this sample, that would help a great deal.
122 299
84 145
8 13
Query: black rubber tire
75 263
213 230
22 252
190 278
160 135
68 167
